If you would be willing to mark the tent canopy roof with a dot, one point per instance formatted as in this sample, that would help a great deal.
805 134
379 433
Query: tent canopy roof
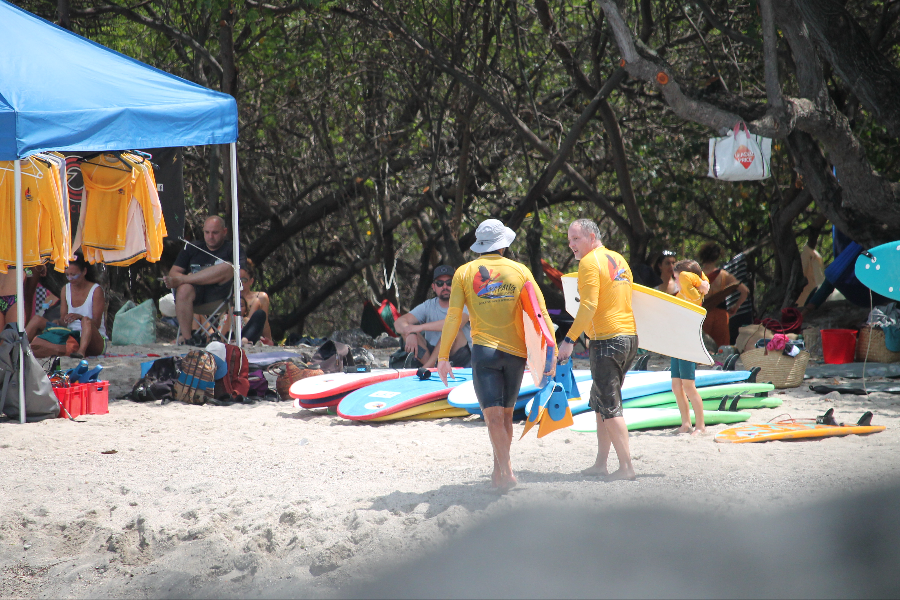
60 91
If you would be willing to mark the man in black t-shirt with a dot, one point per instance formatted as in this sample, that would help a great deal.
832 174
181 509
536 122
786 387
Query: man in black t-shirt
203 274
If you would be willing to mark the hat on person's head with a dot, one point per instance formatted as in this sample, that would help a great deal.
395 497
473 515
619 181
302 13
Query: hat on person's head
217 349
443 270
492 235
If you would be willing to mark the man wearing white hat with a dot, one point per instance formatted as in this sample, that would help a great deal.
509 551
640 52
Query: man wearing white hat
489 288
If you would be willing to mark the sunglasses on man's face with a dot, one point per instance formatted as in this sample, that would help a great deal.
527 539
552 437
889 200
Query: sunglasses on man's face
443 282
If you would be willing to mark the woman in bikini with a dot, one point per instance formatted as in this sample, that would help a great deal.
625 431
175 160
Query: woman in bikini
8 312
716 322
82 310
254 310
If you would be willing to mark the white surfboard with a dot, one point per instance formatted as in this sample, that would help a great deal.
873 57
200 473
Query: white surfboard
665 324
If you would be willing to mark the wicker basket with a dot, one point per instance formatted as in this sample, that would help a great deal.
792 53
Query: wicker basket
871 340
782 371
291 374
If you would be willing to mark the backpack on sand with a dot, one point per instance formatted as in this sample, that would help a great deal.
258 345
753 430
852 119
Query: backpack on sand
159 381
40 401
235 385
197 378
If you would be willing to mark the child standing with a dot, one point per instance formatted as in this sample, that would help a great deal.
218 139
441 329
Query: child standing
693 285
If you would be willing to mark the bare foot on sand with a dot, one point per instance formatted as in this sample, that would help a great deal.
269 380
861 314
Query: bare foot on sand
503 483
699 431
621 475
684 429
596 471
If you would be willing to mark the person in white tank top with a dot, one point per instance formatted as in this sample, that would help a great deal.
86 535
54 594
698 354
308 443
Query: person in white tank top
82 309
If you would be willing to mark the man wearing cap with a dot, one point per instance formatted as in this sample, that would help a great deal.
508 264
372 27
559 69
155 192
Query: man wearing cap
421 327
489 287
605 315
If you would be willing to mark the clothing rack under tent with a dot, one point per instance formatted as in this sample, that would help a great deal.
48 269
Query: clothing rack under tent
102 112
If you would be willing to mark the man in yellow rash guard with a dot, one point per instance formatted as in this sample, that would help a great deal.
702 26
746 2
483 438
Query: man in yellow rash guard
605 315
489 287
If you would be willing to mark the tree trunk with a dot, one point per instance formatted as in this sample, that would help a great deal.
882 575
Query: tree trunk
63 13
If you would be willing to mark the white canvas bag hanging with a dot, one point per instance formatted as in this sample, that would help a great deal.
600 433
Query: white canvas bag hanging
740 156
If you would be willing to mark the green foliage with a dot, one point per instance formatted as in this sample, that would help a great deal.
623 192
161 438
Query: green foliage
338 106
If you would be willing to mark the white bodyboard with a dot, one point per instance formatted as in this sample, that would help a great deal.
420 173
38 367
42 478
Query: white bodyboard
665 324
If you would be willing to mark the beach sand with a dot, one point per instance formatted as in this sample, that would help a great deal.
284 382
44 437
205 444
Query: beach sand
269 500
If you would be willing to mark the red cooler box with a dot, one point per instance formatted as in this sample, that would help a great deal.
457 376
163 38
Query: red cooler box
72 400
96 398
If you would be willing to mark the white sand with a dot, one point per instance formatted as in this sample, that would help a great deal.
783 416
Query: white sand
232 500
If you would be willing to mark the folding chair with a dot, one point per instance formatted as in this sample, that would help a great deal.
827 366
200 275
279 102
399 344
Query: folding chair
213 323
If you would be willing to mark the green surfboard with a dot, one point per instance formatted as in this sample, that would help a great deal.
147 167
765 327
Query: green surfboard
648 418
743 403
706 393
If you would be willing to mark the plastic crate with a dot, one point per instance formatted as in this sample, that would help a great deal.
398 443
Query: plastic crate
96 398
72 400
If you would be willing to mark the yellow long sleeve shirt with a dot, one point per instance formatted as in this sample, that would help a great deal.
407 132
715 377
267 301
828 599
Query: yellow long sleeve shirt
604 289
690 287
489 287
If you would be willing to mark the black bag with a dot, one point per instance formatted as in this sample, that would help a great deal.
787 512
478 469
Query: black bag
159 381
400 359
331 357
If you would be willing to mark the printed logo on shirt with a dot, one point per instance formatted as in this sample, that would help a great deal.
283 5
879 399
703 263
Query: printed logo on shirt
121 191
489 285
28 195
615 272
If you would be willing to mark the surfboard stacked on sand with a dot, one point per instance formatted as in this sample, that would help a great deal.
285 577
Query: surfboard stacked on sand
403 398
322 391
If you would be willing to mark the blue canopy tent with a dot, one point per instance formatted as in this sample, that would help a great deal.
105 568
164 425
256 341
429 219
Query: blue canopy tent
60 91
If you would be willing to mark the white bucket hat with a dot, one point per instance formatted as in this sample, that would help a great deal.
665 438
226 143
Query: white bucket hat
492 235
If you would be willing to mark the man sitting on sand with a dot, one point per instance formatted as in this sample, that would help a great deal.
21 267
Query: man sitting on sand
421 327
202 275
605 315
489 287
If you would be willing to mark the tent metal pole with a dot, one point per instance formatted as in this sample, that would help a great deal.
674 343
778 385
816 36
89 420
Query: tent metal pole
20 286
236 246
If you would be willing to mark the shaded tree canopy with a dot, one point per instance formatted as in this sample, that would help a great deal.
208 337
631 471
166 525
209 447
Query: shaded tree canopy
375 135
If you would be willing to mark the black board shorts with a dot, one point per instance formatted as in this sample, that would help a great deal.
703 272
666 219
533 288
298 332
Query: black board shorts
610 360
497 376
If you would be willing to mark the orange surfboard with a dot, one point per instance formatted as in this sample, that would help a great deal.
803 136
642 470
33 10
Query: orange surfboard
791 430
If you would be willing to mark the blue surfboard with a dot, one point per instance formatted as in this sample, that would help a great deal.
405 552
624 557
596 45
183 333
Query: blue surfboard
643 383
464 395
880 270
393 395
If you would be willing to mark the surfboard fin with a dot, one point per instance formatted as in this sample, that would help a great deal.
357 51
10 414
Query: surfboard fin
864 421
753 373
734 403
730 362
723 405
827 418
640 364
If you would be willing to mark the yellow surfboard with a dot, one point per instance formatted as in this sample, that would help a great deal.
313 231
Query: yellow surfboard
765 432
418 410
443 413
665 324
